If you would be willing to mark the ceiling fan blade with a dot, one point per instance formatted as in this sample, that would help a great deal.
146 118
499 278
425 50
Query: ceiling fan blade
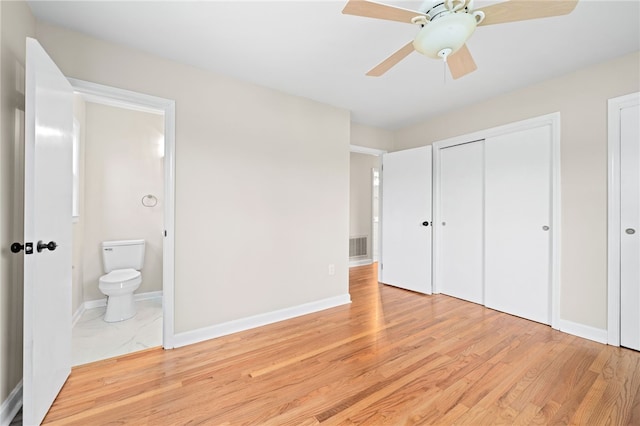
396 57
522 10
461 63
372 9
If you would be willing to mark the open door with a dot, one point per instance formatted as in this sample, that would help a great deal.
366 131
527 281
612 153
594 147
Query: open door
406 219
47 233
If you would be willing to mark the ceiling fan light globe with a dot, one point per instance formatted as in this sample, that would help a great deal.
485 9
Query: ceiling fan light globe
447 32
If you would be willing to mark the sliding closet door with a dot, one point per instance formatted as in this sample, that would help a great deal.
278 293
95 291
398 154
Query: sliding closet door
461 224
630 227
518 223
406 217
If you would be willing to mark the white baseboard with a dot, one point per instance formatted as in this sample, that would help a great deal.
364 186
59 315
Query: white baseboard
101 303
11 405
586 332
77 314
360 262
206 333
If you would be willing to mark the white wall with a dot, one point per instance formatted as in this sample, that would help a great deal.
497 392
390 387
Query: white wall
581 98
123 162
262 193
16 23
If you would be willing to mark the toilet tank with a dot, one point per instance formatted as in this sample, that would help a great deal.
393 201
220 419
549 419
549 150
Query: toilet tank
123 254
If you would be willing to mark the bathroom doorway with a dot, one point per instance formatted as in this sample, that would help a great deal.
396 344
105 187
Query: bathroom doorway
122 191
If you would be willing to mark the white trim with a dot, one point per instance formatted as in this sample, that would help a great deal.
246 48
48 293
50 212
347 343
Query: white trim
140 101
77 314
101 303
206 333
11 405
613 214
359 262
556 221
366 150
552 120
586 332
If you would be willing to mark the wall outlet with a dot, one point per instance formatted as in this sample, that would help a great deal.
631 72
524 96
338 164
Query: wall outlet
332 269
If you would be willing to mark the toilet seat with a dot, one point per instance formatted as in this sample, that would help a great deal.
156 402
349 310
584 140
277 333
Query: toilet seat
121 276
119 286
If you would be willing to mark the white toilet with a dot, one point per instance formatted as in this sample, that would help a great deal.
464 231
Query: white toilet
122 261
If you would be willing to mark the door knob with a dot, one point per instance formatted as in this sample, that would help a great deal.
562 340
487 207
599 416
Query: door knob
51 246
630 231
545 228
425 223
27 247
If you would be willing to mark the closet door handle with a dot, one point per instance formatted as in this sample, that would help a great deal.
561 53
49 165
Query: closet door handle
545 228
630 231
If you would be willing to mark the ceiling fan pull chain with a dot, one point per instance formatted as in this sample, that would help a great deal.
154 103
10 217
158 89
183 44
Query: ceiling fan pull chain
444 71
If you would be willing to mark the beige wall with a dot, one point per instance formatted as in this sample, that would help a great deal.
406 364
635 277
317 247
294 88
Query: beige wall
123 162
581 99
256 172
360 203
371 137
16 23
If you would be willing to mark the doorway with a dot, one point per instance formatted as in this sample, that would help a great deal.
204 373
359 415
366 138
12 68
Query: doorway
118 195
158 201
364 205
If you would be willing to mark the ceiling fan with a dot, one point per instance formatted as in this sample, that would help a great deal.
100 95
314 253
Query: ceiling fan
446 25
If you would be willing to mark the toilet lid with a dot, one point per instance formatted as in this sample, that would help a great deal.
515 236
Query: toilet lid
120 275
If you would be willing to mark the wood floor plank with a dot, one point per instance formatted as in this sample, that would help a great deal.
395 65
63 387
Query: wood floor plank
390 357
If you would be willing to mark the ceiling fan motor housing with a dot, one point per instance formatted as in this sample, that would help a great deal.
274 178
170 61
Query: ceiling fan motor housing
447 32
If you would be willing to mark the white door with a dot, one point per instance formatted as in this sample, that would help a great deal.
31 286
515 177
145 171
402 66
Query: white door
630 227
518 223
406 219
47 218
461 225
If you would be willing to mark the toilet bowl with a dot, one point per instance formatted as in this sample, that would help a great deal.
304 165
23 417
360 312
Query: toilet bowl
122 262
118 286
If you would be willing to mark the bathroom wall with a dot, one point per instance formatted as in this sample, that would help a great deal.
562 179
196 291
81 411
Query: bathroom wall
123 162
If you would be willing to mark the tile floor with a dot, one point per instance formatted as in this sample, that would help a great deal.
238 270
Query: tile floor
93 339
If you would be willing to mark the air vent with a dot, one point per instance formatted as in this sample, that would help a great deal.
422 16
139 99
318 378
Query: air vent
358 246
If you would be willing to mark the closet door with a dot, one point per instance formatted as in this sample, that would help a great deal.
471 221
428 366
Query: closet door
518 223
406 217
630 227
461 226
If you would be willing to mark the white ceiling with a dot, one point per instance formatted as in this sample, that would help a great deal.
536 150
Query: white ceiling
310 49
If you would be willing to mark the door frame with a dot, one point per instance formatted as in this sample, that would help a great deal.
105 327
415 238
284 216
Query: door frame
615 105
552 120
113 96
376 153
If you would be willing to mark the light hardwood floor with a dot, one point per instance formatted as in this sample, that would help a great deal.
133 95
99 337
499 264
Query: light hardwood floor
390 357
